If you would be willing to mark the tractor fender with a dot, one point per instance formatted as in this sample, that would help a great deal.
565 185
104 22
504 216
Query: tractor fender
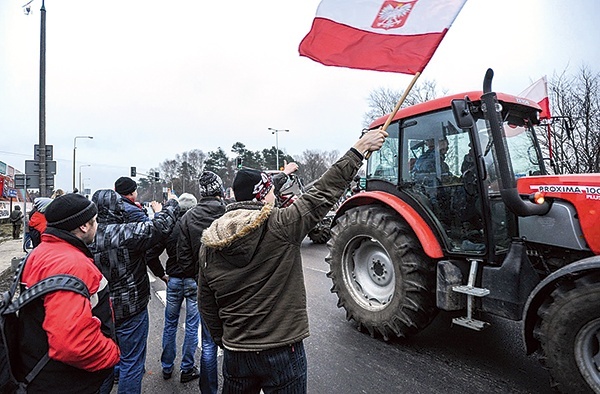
543 290
431 245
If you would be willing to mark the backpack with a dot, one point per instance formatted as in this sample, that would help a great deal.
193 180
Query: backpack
9 315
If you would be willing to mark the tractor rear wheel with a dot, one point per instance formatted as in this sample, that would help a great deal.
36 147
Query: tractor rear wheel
380 273
569 333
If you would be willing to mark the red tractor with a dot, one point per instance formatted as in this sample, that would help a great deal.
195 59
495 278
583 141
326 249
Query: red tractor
459 214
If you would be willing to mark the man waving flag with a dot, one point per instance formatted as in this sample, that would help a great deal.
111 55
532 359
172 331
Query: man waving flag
382 35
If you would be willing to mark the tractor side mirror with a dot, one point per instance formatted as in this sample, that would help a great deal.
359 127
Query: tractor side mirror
462 115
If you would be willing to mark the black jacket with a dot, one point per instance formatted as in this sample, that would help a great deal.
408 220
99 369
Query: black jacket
191 226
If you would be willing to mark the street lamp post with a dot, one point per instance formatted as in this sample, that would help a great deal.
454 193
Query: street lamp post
42 98
75 153
83 165
276 132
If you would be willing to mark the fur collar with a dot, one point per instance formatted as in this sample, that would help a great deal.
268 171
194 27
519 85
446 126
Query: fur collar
240 220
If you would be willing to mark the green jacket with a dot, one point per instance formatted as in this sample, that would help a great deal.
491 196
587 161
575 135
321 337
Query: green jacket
252 294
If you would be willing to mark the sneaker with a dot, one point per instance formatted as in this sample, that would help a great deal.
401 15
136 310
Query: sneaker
188 376
167 375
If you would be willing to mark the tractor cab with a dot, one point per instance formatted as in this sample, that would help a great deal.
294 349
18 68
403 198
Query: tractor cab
449 175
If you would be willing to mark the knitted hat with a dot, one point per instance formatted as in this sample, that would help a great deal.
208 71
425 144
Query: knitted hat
125 185
187 201
251 185
210 184
70 211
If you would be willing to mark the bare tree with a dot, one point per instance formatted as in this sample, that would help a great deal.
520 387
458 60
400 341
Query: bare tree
382 101
572 139
313 163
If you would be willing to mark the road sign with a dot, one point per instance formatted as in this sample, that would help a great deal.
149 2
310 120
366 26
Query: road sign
32 181
20 181
10 192
49 152
33 167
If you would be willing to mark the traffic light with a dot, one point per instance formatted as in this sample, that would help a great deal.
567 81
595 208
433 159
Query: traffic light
157 176
238 162
133 172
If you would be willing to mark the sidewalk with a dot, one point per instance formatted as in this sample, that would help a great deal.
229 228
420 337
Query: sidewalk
9 248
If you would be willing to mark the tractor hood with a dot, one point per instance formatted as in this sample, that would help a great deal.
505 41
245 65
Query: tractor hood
581 190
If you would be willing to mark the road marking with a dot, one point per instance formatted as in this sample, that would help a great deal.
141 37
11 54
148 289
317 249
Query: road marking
316 269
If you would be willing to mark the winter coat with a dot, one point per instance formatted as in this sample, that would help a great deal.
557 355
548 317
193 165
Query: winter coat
120 251
76 332
37 226
252 293
16 216
133 213
192 224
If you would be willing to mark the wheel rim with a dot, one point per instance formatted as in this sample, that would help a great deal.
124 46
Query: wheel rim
368 272
587 352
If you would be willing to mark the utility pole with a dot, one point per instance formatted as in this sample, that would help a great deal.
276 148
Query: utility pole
42 119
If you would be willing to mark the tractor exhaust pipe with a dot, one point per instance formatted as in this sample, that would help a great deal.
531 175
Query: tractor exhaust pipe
508 185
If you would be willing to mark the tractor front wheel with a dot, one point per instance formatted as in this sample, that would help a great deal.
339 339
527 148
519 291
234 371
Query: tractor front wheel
380 273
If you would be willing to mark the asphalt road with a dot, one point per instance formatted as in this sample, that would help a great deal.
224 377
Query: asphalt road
441 359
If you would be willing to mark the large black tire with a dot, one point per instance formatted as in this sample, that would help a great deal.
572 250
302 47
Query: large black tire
380 273
569 332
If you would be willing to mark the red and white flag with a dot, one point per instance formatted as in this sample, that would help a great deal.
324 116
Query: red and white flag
538 92
382 35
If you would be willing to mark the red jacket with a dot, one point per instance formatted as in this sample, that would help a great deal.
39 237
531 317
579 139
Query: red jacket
77 330
38 221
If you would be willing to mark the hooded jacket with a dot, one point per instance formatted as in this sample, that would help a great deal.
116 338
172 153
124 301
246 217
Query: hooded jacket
76 332
120 251
252 293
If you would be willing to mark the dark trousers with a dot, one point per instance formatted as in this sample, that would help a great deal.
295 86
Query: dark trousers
16 230
280 370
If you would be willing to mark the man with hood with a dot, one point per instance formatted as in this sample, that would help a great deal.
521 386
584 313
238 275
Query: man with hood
120 253
252 293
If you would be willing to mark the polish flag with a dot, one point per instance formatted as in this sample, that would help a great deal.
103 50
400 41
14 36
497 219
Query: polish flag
538 92
382 35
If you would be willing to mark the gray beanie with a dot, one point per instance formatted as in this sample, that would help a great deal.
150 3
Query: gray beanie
186 202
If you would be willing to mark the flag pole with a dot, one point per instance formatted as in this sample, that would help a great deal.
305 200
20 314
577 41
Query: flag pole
398 105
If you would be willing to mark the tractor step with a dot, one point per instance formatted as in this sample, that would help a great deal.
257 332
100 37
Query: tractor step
470 290
468 322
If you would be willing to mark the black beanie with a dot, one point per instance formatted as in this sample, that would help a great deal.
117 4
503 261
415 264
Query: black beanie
125 186
70 211
250 184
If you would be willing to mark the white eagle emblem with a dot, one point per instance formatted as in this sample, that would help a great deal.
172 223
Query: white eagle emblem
392 14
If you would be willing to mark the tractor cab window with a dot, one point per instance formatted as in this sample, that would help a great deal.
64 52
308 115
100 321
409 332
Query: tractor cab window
383 164
525 158
438 171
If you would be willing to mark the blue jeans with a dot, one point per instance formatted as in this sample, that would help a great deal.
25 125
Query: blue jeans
279 370
132 335
179 289
209 380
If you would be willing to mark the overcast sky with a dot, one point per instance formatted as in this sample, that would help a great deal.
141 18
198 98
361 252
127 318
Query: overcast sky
151 79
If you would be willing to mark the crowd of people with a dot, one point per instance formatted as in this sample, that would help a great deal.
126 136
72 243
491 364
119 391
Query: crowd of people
237 267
